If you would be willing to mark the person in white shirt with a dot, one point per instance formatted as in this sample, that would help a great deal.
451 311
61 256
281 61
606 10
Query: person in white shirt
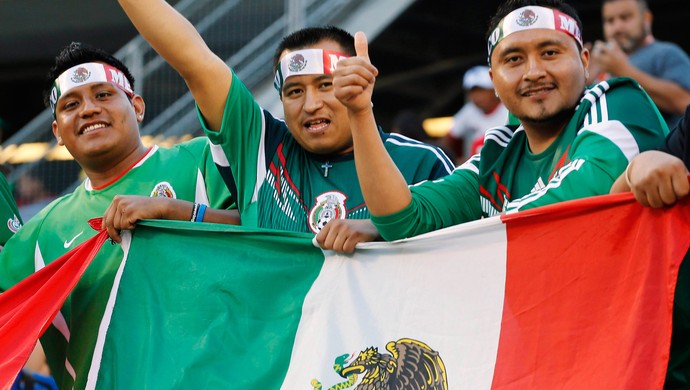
482 111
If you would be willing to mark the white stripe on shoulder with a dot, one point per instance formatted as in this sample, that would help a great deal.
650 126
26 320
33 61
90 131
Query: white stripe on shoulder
469 164
401 140
219 156
616 132
404 139
597 98
200 195
500 135
603 103
594 117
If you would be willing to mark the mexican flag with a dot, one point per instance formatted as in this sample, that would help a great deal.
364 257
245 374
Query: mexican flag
576 295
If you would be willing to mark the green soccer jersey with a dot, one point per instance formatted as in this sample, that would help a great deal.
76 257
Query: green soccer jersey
9 214
185 172
614 121
279 185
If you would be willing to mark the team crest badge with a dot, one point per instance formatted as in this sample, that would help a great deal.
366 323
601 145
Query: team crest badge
328 206
13 224
411 364
163 190
297 63
80 75
527 18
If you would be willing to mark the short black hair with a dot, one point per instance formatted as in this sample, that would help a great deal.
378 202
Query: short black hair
509 6
644 6
78 53
313 35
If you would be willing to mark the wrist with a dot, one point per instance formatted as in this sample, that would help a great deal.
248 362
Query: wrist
627 174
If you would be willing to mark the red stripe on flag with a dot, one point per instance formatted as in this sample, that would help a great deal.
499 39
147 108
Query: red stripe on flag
596 315
28 308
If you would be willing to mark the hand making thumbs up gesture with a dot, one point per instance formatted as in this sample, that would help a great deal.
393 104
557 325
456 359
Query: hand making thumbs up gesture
354 77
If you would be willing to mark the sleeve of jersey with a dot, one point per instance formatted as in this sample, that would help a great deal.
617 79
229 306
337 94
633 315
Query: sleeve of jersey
437 204
677 67
238 144
9 214
677 142
440 165
220 189
602 150
17 256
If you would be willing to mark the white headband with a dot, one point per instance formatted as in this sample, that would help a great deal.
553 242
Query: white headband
307 61
91 72
532 17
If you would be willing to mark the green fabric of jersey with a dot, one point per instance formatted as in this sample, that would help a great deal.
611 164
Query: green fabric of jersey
9 214
185 172
614 121
281 186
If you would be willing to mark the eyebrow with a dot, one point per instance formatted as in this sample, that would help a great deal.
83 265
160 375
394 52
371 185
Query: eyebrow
320 78
91 88
540 45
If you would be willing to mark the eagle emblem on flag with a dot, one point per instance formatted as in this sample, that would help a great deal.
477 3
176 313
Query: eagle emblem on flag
411 364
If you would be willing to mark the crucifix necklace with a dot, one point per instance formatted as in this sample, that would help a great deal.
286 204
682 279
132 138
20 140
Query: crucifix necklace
326 166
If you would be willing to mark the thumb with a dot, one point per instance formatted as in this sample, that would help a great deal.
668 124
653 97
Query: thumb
361 45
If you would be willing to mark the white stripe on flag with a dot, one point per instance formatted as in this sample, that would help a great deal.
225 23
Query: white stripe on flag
376 298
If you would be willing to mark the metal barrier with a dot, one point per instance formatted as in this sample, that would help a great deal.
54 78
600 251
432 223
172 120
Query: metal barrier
245 32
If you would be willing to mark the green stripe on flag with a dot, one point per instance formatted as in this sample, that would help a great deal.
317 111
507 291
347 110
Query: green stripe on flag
221 306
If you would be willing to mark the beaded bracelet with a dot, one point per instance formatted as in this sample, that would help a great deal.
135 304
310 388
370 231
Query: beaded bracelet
195 210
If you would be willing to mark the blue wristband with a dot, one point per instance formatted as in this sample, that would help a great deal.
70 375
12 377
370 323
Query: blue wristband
200 213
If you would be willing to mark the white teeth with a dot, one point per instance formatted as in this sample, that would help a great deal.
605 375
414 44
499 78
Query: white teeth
93 127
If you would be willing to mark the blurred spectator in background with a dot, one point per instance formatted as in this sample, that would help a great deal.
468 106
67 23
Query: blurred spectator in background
661 68
482 111
31 195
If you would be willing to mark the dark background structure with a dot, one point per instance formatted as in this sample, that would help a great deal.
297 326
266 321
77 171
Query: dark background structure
421 55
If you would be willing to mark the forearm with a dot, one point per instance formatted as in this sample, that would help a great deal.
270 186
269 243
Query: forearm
178 42
435 205
182 210
667 95
383 186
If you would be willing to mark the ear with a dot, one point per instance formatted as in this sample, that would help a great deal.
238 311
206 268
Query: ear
139 107
584 57
56 133
647 18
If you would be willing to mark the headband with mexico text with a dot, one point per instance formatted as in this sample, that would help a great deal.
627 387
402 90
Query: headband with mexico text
532 17
307 61
87 73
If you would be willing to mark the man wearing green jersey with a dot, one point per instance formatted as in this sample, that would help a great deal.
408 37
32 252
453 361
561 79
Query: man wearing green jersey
572 141
297 175
96 117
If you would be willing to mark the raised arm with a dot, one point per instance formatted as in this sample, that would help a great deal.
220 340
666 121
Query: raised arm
178 42
383 186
